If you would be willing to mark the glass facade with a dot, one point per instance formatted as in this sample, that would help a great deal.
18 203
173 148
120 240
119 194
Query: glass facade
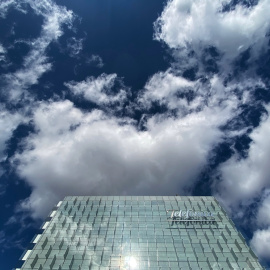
139 232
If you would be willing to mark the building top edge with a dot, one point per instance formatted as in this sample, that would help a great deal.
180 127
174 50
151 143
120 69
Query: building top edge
135 196
141 197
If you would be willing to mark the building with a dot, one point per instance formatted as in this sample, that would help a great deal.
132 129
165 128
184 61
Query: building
139 232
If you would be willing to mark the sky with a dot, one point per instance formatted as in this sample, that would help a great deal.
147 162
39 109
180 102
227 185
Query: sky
116 97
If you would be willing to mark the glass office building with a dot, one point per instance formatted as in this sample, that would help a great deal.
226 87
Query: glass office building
139 232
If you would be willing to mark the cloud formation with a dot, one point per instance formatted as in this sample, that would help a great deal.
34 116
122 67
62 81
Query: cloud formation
74 46
260 243
163 87
98 90
8 123
261 237
2 53
196 25
74 152
219 33
6 5
95 60
36 62
263 217
245 179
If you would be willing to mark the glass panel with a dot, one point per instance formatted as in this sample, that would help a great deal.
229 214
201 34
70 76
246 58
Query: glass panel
140 232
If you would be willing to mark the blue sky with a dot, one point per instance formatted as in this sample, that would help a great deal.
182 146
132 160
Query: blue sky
133 97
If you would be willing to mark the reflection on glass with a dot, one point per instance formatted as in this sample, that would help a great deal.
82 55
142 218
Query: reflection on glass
102 233
131 262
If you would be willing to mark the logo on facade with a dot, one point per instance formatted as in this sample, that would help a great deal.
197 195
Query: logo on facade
190 214
179 216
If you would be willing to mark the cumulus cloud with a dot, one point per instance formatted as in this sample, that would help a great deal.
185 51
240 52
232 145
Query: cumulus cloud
36 62
261 243
245 179
203 32
195 25
98 90
163 87
263 216
74 152
206 24
184 96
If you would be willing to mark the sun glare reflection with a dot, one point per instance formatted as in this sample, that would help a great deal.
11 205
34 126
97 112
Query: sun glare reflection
131 262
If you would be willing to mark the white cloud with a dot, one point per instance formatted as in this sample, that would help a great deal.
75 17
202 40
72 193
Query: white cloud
196 25
75 152
98 90
2 49
75 46
189 28
2 53
95 60
263 216
261 243
245 179
90 153
36 62
163 87
5 5
178 93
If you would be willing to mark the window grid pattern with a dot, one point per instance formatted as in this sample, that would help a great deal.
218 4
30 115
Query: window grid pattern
130 232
